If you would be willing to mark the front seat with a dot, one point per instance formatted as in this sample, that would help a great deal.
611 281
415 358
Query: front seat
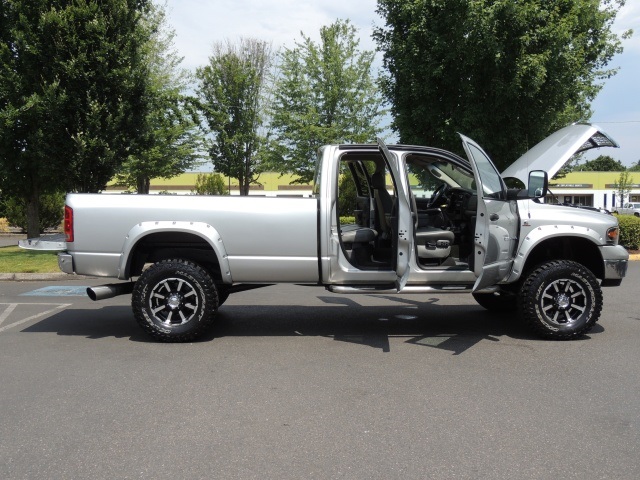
434 242
384 203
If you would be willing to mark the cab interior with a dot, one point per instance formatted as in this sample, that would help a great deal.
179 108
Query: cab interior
443 207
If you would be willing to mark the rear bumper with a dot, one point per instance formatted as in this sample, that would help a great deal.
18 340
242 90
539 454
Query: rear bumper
65 262
616 260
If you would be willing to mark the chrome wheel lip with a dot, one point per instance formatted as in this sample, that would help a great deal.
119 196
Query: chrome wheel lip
563 303
173 302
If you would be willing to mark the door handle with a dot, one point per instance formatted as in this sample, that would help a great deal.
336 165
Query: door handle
493 217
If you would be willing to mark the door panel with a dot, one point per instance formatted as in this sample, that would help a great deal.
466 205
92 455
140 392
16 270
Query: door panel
496 221
401 219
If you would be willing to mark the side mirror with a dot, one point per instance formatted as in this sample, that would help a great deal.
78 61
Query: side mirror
538 184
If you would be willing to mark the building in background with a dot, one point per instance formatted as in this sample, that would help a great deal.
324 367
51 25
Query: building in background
594 189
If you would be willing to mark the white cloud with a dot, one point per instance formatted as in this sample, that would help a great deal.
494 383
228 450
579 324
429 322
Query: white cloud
629 18
201 23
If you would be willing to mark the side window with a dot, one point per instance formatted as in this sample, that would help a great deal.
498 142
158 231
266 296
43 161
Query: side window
492 185
354 192
317 176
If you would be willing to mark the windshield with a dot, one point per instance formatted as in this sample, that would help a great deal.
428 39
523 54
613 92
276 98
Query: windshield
427 174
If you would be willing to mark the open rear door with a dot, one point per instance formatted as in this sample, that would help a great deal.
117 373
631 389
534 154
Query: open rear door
496 220
402 223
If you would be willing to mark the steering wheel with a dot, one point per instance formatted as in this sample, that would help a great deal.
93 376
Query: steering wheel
439 197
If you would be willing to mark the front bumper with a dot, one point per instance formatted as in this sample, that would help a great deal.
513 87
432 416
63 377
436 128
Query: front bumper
616 260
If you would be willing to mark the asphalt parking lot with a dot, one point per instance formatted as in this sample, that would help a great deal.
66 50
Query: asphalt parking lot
296 382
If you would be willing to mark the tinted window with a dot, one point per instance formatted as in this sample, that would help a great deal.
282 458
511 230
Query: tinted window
492 185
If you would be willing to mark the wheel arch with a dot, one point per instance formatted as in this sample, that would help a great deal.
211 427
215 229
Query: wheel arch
540 247
151 242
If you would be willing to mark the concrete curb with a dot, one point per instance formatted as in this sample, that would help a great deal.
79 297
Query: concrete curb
40 277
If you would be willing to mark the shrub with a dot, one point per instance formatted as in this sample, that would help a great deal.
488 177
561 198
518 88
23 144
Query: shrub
347 195
51 211
4 225
210 184
629 231
347 220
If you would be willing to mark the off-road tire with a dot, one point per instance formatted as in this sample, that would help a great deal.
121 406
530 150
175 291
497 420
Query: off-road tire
504 302
560 300
175 300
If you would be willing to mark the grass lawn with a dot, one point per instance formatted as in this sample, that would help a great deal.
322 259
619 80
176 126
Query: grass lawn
18 260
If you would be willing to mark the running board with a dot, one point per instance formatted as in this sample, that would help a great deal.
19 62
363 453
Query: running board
379 289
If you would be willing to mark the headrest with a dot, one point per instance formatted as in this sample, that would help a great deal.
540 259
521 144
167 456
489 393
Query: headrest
378 180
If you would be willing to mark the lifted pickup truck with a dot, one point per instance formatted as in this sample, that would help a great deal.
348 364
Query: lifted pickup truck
424 221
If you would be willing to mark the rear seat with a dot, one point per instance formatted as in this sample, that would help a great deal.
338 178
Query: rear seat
358 234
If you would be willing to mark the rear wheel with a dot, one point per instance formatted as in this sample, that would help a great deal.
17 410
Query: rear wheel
175 300
560 300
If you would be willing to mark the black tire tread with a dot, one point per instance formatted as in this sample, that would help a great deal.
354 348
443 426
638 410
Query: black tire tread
527 303
169 266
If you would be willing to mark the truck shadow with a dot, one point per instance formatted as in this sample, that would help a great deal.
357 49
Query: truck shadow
453 328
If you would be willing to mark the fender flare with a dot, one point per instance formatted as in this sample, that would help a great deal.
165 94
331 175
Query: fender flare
545 232
200 229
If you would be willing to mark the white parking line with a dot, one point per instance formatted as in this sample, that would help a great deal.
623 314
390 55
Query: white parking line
11 307
7 312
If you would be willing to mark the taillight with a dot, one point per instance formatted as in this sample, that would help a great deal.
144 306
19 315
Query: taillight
68 223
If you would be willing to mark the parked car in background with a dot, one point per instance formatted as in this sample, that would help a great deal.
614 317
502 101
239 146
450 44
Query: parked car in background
629 209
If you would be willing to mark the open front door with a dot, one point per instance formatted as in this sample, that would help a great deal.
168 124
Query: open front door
402 222
496 220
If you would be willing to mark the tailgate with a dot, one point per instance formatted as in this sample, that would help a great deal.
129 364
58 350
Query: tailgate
56 242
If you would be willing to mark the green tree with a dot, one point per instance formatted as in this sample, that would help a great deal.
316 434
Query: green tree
602 163
51 211
505 73
635 167
231 95
210 184
169 142
325 93
623 186
72 98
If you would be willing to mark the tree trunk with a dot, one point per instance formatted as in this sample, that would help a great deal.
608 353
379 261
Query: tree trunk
33 214
144 184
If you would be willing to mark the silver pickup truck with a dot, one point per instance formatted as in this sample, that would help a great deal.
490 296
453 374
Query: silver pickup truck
423 220
629 209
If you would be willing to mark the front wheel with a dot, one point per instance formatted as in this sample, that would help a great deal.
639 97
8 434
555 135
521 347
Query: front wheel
560 300
175 300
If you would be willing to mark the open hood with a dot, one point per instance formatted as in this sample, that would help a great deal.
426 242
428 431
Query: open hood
554 151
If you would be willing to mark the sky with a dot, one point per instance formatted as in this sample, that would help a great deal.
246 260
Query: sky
199 24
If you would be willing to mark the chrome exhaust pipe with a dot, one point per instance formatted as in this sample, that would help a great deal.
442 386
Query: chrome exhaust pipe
102 292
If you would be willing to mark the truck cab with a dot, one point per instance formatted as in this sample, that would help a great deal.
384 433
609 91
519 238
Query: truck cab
422 219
